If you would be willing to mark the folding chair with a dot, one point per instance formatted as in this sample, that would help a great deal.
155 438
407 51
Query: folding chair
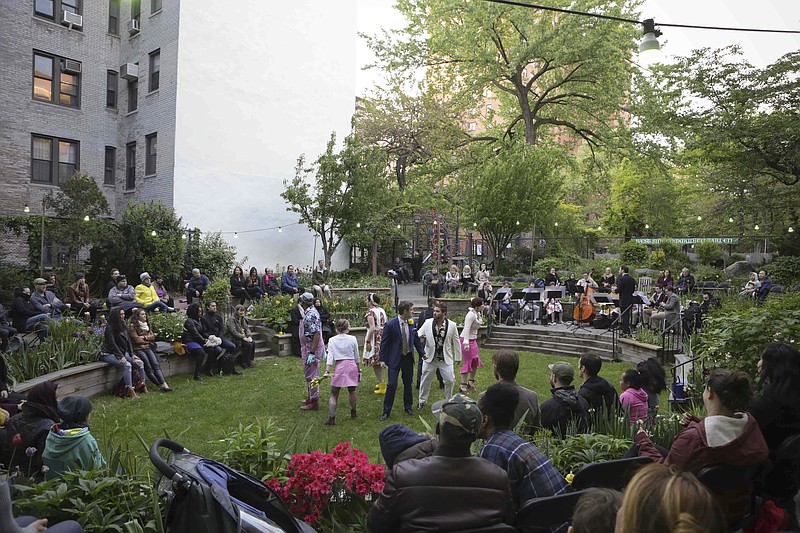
544 514
645 284
608 474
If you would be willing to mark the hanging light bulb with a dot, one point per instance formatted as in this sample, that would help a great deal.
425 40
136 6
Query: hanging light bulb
358 224
791 229
756 227
435 222
517 222
650 39
398 226
556 224
280 229
183 236
599 228
153 233
235 234
647 226
26 209
86 218
699 217
730 220
474 224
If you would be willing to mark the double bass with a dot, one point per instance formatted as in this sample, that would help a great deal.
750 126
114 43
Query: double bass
584 309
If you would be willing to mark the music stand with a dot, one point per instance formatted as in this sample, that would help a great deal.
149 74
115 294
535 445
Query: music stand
531 295
553 292
498 297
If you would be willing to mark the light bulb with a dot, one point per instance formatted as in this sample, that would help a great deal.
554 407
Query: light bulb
280 229
756 227
358 224
699 217
235 234
474 224
153 233
599 228
517 222
26 209
647 226
730 220
86 218
398 226
183 236
791 229
556 224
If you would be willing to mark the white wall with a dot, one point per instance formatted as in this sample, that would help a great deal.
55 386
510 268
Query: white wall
259 83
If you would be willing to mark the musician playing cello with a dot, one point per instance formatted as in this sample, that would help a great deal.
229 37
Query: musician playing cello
587 281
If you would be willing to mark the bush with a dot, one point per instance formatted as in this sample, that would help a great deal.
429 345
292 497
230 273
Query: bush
254 449
168 327
543 266
576 451
634 254
708 252
670 249
219 291
785 271
704 273
212 255
657 259
274 312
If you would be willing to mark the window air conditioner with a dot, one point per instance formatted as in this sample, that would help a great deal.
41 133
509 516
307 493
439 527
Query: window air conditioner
129 71
69 65
73 19
133 27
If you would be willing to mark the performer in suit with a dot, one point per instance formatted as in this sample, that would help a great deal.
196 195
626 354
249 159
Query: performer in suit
626 286
396 351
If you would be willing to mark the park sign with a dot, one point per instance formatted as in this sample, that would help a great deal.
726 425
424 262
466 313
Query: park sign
686 240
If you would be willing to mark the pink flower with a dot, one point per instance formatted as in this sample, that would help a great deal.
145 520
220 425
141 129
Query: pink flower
17 440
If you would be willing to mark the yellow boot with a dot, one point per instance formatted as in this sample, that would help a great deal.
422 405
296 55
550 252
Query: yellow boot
380 388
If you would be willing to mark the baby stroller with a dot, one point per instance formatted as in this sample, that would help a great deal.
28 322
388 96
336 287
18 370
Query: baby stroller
202 495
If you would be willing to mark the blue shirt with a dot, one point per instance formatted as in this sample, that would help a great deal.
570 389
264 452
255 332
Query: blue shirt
530 473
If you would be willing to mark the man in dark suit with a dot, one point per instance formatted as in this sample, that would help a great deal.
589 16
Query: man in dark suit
397 352
626 286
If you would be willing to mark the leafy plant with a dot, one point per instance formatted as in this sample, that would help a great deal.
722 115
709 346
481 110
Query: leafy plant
785 271
576 451
634 253
219 291
708 252
273 312
168 327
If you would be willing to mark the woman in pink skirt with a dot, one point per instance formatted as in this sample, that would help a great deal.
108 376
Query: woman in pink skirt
469 345
343 354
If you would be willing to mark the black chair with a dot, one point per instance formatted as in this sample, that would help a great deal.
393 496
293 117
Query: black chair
544 514
725 285
608 474
497 528
733 486
776 288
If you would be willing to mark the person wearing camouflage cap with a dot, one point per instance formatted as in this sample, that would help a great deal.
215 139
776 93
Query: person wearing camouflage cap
449 491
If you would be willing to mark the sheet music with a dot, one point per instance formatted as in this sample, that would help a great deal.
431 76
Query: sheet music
643 296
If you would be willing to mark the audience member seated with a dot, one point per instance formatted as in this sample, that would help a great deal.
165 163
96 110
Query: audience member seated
468 283
653 381
6 329
434 282
452 279
117 350
45 301
238 284
220 357
79 298
449 491
633 399
290 284
566 407
777 412
401 272
253 285
399 443
326 319
529 308
665 279
269 283
52 286
662 499
147 297
69 443
571 283
727 436
484 285
596 511
29 524
669 313
26 317
141 334
607 280
29 429
555 312
530 472
123 295
598 392
551 278
197 285
112 282
161 291
685 282
194 339
750 288
239 332
765 284
319 281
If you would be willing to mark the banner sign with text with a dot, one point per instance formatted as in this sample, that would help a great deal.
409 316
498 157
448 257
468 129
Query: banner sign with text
686 240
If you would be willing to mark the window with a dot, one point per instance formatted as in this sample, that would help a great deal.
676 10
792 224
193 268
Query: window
155 69
110 176
56 80
111 89
155 6
130 166
133 95
52 9
113 17
136 10
53 160
472 126
151 154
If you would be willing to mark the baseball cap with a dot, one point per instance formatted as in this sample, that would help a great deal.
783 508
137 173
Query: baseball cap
40 281
460 412
563 371
79 275
307 297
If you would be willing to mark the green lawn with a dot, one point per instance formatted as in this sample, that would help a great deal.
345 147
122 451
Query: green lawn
203 412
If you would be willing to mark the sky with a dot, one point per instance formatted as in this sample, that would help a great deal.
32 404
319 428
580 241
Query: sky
759 49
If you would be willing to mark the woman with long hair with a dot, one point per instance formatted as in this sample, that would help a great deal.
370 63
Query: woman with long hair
376 319
253 285
654 380
662 499
117 350
28 429
469 345
141 333
194 340
484 286
238 284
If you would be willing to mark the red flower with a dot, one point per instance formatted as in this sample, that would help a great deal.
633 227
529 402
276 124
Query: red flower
17 440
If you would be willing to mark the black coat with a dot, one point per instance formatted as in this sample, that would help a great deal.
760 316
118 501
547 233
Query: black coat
213 324
599 393
626 286
193 332
116 342
565 406
21 310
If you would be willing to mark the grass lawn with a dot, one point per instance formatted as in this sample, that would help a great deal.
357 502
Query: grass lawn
203 412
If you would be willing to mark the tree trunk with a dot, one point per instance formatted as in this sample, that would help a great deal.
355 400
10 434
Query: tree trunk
527 114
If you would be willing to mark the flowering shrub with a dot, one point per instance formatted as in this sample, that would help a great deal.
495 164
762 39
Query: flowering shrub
273 312
168 327
326 488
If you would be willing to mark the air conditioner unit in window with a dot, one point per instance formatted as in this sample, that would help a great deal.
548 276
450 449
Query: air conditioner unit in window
129 71
133 27
73 19
69 65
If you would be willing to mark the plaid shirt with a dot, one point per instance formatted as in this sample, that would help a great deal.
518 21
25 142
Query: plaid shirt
531 474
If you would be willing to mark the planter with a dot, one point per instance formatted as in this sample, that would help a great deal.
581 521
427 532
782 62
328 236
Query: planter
632 351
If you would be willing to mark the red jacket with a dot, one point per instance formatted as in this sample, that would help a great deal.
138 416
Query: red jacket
691 450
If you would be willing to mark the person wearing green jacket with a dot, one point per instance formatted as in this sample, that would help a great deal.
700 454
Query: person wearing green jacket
70 444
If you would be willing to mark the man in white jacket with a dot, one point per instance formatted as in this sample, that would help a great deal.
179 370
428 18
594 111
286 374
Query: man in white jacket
442 347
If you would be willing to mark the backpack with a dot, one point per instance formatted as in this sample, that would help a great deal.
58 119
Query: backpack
510 321
120 390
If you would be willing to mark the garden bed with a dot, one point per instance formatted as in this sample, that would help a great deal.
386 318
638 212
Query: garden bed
632 351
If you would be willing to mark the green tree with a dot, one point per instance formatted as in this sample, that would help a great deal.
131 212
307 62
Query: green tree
78 204
338 191
506 192
553 72
214 256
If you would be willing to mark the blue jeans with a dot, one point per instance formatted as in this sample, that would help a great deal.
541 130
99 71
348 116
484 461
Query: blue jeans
125 364
151 366
36 323
158 305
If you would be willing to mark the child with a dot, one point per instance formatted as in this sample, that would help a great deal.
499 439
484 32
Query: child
69 444
633 397
343 353
554 311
